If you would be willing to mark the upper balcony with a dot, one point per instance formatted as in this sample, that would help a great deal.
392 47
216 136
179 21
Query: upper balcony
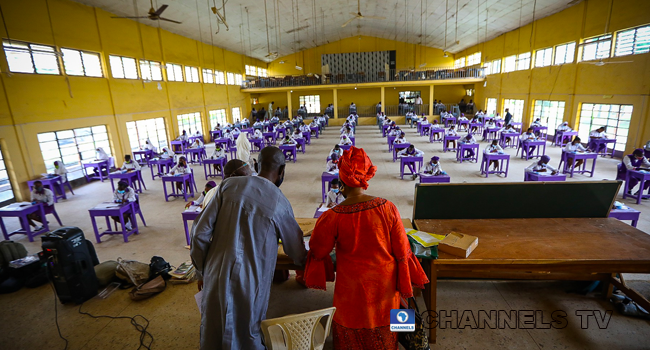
390 77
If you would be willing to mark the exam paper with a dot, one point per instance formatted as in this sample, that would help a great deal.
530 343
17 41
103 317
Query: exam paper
199 298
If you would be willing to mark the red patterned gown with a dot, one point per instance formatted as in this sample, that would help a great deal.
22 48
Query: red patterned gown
374 264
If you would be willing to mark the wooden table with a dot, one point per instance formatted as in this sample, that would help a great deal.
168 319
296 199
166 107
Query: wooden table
542 249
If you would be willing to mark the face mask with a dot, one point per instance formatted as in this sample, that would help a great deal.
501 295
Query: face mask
38 188
335 190
56 166
280 181
121 191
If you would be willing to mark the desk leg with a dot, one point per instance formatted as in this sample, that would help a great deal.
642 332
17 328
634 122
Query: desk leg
4 229
125 233
187 232
593 167
322 182
141 180
113 184
97 238
631 293
165 189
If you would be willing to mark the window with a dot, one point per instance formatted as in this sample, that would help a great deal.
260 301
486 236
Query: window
615 117
238 79
141 130
219 77
496 66
632 41
251 70
208 76
596 48
491 108
263 72
151 70
312 102
6 192
236 113
543 57
516 109
459 63
123 67
31 58
564 53
72 147
510 64
523 61
192 74
551 113
230 77
190 122
174 72
82 63
217 116
474 59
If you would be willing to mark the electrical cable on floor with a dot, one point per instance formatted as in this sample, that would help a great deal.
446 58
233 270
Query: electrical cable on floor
56 315
139 327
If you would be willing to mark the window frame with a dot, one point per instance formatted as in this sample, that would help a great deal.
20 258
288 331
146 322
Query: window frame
193 119
512 59
473 59
230 78
311 99
523 59
160 138
459 63
547 53
29 50
214 117
83 63
219 77
554 113
235 116
597 41
208 76
149 64
251 70
171 67
4 176
137 72
489 102
192 74
621 140
517 113
566 56
621 33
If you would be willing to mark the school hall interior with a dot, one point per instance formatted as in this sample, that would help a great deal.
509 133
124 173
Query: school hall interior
129 77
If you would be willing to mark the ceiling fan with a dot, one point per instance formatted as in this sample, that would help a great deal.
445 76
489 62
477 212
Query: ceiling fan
601 63
154 14
359 15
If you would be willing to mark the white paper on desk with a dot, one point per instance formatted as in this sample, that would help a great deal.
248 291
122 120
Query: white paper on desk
107 206
199 298
333 172
323 209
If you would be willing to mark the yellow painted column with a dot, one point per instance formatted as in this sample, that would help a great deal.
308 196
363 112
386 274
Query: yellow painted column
289 107
336 103
431 100
383 102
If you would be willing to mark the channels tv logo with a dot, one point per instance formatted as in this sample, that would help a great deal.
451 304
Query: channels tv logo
402 320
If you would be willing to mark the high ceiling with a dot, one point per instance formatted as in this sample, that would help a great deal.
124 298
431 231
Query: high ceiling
295 25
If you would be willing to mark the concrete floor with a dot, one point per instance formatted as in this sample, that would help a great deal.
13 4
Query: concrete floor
27 319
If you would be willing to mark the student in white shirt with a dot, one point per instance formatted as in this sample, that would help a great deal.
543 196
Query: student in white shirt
257 134
400 139
596 135
60 169
199 202
424 121
462 117
509 129
469 140
451 132
100 154
345 141
433 167
474 121
494 148
334 197
536 123
527 136
43 195
333 163
258 124
216 154
130 165
196 144
574 147
564 127
289 141
229 135
542 166
183 136
395 132
124 194
348 132
149 146
297 135
411 151
634 161
165 153
336 150
181 168
304 128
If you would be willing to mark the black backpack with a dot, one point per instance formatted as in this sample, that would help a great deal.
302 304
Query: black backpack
159 267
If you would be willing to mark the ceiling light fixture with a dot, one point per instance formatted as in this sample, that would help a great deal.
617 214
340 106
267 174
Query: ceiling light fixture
298 67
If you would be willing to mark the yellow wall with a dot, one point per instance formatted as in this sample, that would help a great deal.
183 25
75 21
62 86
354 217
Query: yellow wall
407 55
34 103
575 83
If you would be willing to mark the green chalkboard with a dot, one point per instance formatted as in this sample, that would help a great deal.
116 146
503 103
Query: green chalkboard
517 200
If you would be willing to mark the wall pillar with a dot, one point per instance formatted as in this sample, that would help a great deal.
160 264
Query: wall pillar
289 107
431 100
335 96
383 100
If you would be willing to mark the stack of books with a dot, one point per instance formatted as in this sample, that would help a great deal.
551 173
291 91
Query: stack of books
184 274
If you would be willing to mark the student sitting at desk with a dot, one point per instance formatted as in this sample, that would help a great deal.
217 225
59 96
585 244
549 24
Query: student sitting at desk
497 118
509 129
124 194
199 202
216 154
564 127
451 132
480 113
181 168
469 140
257 134
634 161
218 127
229 135
387 121
348 132
400 139
345 141
336 150
258 124
183 136
433 167
537 123
575 147
334 197
528 136
297 135
333 163
462 117
424 120
394 132
100 154
289 141
304 128
411 151
490 124
165 153
314 124
196 144
597 135
474 121
129 165
494 148
148 146
541 166
43 195
60 169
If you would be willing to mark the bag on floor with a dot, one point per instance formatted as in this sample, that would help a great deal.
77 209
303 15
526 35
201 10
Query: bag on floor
105 272
159 267
132 272
149 289
418 339
10 251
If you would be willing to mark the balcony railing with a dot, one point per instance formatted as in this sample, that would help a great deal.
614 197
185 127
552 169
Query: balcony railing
428 74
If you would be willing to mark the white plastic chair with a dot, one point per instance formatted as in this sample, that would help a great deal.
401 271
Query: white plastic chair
298 332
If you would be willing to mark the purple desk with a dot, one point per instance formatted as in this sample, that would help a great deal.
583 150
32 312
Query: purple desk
191 139
525 146
258 145
215 134
626 214
98 165
416 162
301 142
282 131
445 142
390 139
463 122
595 144
189 214
514 139
575 156
485 163
354 140
398 147
345 147
195 155
134 179
642 177
427 179
108 209
541 130
486 119
315 130
142 157
562 136
516 125
54 184
383 130
183 179
418 127
436 135
270 137
21 210
478 126
178 146
449 121
224 142
318 213
463 148
307 136
208 167
233 151
162 165
532 176
490 134
326 178
425 129
289 151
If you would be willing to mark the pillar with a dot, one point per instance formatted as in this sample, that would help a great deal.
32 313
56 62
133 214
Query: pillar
336 103
383 102
289 107
431 100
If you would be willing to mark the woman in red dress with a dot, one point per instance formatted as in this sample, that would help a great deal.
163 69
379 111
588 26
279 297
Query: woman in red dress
374 262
